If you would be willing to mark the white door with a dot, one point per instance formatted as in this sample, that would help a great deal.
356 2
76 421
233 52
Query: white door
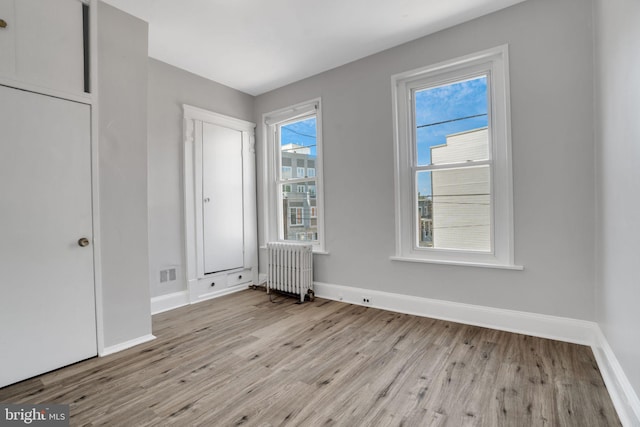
47 305
42 43
222 198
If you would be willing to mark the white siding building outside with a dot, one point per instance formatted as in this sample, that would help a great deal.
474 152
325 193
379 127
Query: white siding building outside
461 197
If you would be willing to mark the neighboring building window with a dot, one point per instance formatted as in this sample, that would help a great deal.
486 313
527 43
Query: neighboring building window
294 138
286 172
295 217
453 162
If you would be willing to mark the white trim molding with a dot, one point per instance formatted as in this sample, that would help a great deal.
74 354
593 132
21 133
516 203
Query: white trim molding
520 322
168 302
582 332
174 300
624 398
125 345
217 294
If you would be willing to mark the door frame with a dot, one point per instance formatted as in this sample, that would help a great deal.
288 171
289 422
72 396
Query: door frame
95 184
192 175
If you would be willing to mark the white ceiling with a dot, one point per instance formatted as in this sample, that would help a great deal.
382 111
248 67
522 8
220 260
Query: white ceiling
257 45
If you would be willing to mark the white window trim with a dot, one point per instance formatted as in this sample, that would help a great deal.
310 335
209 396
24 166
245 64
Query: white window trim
272 203
495 62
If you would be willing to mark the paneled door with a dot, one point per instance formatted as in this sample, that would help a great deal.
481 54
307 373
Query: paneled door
47 294
222 198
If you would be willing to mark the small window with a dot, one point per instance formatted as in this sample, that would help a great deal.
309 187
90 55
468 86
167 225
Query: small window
295 216
453 163
294 141
286 172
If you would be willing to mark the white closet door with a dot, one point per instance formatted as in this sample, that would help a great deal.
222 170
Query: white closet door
222 214
43 43
47 305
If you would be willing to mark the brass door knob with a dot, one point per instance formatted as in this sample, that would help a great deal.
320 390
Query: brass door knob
83 242
3 23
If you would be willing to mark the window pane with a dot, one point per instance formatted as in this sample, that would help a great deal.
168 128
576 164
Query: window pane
452 116
299 206
298 148
454 208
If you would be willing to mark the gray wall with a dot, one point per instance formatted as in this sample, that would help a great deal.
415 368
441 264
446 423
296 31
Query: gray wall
122 86
169 88
551 65
618 153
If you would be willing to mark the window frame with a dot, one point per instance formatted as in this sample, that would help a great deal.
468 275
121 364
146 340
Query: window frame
273 221
494 63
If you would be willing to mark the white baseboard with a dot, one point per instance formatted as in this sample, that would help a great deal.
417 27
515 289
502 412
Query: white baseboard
169 301
539 325
218 293
565 329
125 345
174 300
622 394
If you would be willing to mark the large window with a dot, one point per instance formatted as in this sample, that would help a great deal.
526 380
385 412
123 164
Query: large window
294 165
453 162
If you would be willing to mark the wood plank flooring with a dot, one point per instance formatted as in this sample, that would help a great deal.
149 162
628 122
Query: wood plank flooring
242 360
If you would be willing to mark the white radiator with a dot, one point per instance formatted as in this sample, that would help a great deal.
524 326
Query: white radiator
290 269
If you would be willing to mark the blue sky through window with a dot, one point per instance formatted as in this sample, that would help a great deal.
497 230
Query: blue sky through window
301 133
446 110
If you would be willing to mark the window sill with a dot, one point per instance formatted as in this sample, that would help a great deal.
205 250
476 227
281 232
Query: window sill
462 263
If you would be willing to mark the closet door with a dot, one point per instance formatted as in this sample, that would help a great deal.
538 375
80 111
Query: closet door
222 201
42 43
47 305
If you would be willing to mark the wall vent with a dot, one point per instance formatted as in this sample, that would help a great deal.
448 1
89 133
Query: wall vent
168 275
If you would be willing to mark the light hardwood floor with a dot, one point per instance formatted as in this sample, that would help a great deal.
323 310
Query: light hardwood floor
242 360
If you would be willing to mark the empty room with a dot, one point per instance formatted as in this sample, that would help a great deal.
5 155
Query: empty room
349 213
